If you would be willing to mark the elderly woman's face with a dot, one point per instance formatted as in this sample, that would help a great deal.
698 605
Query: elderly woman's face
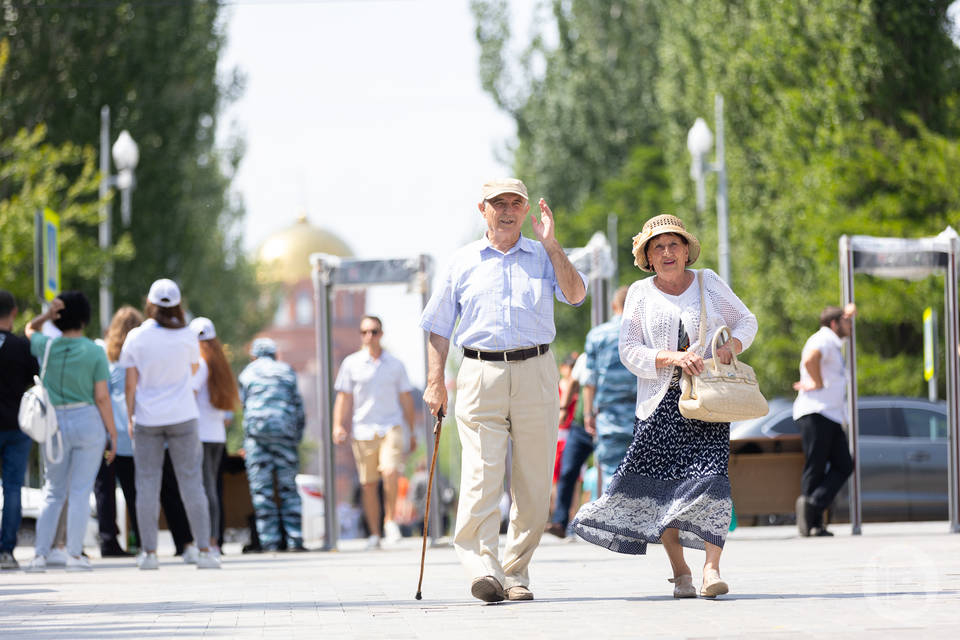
668 253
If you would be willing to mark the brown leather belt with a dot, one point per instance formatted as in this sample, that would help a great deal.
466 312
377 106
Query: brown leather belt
514 355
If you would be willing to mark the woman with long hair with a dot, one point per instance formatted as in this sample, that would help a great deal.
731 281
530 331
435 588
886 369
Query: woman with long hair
217 397
124 320
161 356
75 373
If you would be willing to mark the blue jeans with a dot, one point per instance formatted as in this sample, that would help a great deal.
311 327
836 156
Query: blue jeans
83 446
15 448
614 435
578 448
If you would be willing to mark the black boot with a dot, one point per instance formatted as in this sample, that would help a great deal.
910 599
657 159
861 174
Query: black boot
807 516
112 549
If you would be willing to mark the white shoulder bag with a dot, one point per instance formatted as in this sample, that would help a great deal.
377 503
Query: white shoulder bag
37 417
722 392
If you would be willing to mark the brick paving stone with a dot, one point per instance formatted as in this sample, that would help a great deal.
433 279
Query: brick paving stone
898 580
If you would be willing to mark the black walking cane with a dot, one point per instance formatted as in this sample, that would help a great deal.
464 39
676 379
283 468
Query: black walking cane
426 514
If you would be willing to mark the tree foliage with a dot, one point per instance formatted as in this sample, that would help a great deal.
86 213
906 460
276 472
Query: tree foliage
35 174
155 66
840 119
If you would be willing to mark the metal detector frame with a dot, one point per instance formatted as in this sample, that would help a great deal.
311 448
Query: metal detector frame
856 256
328 273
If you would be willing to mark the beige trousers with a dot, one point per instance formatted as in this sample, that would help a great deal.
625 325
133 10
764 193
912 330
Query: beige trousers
498 402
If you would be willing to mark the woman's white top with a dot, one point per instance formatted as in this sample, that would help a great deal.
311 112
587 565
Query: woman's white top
162 358
210 423
651 324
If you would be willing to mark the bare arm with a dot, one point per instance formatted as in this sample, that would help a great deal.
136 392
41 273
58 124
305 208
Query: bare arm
406 403
130 393
567 276
589 417
435 395
811 364
101 396
52 313
342 415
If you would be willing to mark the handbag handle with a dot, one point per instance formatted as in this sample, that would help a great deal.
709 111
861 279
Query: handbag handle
703 317
713 347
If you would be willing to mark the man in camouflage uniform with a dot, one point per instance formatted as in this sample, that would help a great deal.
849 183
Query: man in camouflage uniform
273 422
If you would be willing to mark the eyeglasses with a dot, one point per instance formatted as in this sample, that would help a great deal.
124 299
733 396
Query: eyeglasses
373 332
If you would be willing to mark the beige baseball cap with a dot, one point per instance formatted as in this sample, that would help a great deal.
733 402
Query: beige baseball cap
493 188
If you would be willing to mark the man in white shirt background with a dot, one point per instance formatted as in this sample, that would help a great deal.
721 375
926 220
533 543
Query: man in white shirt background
818 412
373 397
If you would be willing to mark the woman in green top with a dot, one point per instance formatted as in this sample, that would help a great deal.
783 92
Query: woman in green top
76 377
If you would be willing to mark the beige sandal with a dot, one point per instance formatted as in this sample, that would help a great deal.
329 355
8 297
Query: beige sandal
683 586
713 585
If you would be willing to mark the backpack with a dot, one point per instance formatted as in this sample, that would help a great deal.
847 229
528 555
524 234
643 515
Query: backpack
37 417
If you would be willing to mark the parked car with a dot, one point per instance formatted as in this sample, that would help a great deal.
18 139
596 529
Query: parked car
903 454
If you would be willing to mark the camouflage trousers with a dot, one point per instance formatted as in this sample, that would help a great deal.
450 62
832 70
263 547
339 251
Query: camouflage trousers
272 468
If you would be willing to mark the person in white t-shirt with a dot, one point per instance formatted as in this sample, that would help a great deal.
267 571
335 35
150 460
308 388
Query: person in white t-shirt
217 398
160 357
818 412
373 393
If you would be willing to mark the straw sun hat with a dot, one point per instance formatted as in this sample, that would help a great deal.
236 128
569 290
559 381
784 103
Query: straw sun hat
656 226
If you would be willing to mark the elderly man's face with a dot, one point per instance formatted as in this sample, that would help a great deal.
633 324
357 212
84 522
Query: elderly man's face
505 213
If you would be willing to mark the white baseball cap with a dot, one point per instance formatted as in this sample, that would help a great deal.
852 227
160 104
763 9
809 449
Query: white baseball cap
164 293
204 328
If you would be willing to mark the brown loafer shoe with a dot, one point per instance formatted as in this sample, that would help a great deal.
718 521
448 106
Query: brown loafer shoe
555 528
519 592
713 585
487 589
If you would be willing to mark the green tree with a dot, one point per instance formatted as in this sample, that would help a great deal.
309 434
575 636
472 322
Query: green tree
815 117
35 174
155 65
840 118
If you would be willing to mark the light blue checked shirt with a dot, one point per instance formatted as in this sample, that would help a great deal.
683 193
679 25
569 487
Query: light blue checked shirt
504 300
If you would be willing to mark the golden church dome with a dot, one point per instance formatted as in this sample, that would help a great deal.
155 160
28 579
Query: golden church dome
285 256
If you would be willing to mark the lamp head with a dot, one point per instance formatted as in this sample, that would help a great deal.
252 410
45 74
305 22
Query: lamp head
699 139
125 152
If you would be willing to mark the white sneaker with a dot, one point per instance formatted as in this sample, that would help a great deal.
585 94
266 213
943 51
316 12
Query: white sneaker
373 542
80 563
391 531
206 560
57 556
147 561
190 554
37 565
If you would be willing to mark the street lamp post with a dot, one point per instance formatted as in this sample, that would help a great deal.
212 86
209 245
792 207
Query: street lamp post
126 155
699 141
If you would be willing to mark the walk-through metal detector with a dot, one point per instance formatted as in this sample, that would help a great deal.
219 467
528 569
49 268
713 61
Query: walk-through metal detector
596 261
909 259
328 273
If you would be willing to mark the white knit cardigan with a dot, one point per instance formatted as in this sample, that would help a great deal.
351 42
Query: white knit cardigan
651 323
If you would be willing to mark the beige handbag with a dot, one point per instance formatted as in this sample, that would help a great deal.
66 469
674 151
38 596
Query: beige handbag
723 392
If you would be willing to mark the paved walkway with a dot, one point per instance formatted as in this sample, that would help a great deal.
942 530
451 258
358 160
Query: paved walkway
895 581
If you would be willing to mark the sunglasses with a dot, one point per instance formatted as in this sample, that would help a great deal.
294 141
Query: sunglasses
373 332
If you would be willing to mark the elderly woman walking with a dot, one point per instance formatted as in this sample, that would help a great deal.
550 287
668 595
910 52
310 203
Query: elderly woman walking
672 486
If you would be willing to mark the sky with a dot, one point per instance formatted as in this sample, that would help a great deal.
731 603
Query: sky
367 116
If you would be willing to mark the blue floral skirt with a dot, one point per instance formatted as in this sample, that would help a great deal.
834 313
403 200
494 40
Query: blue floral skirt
674 476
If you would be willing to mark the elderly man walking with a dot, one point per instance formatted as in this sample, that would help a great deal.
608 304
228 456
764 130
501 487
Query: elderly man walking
273 422
501 287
